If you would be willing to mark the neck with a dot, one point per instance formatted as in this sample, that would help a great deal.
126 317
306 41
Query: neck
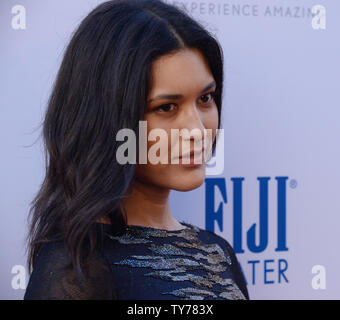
148 205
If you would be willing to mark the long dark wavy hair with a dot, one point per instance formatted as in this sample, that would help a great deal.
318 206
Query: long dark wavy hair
102 87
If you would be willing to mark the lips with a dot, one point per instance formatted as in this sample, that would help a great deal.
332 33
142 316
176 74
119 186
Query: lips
193 155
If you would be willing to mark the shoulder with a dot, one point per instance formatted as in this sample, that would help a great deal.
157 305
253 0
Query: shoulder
211 237
51 252
54 277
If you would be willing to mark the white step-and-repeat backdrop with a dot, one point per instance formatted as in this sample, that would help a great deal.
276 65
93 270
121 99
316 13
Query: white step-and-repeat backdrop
274 191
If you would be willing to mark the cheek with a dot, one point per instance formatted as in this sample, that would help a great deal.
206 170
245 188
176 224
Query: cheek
158 137
210 121
214 118
155 173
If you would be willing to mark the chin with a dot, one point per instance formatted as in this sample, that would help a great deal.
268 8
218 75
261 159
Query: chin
189 181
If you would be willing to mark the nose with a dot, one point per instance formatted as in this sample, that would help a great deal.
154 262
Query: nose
192 129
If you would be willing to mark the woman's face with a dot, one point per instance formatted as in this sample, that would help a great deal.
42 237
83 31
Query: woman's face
186 74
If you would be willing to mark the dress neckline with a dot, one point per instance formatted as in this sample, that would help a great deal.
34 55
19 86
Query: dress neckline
132 226
137 227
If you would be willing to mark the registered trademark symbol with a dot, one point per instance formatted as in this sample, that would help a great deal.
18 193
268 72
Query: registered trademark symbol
293 183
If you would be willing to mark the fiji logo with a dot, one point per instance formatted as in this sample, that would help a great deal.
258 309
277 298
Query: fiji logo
257 235
262 227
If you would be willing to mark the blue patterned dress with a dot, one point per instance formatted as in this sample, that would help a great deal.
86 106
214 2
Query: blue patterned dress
144 263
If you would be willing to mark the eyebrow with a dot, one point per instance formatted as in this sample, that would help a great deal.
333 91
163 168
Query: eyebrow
179 96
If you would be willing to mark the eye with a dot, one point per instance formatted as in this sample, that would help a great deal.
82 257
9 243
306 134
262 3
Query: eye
165 108
212 96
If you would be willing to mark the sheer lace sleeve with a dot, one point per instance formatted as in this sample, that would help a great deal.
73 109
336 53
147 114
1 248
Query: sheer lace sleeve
53 277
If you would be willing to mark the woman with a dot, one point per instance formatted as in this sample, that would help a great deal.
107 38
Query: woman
101 229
